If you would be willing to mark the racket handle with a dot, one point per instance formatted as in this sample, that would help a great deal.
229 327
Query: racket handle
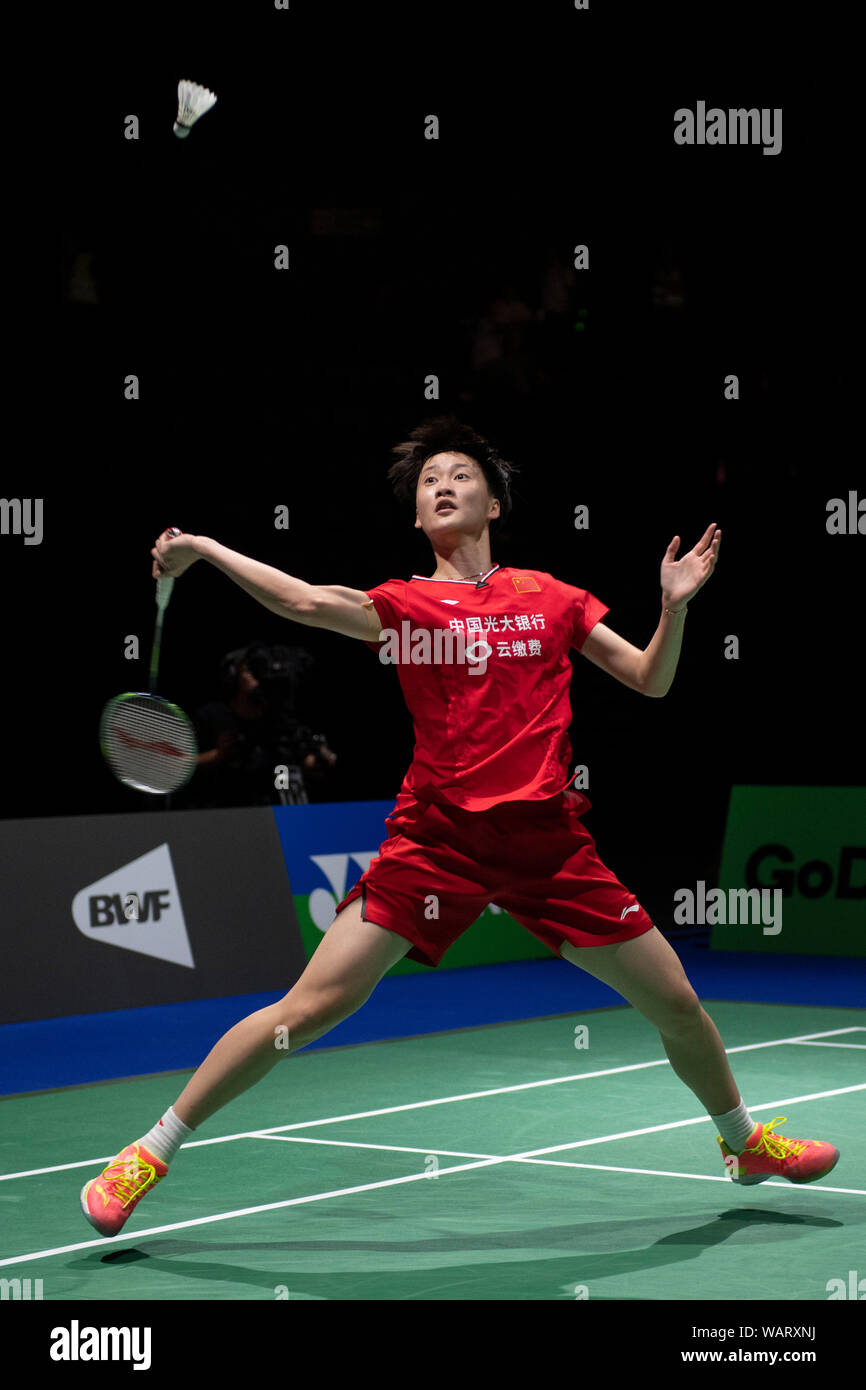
163 593
165 586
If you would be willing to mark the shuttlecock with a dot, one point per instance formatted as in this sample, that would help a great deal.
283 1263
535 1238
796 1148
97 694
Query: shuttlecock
192 102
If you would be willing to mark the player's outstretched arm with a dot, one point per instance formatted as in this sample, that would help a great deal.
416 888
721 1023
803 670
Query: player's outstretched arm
617 657
339 609
332 606
652 670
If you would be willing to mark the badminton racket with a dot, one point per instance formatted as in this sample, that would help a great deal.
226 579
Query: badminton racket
148 742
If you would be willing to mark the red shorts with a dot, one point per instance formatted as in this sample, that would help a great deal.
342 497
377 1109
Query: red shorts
534 859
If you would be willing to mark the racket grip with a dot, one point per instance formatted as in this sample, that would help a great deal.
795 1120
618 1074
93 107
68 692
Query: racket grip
163 593
165 586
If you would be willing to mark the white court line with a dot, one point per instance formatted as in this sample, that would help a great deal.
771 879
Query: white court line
545 1162
440 1100
116 1241
858 1046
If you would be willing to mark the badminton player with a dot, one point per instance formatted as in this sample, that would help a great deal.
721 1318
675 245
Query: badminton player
486 812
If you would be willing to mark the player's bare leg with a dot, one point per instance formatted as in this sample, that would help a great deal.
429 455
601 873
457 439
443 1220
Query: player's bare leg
348 963
648 973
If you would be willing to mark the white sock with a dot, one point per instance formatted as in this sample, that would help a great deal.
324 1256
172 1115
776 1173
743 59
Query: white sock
735 1127
166 1137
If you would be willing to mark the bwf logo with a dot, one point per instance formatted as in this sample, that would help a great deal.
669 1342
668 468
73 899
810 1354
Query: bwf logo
138 908
733 127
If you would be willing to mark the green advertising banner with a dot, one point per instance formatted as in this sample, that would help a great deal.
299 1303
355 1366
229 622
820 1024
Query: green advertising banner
795 856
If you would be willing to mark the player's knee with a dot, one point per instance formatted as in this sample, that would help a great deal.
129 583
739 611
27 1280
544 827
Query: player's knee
306 1016
679 1010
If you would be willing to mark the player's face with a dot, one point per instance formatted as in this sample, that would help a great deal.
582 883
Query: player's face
452 495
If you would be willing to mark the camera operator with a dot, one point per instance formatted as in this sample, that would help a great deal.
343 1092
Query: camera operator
254 729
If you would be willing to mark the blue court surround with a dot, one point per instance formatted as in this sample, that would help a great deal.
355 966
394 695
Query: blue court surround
51 1053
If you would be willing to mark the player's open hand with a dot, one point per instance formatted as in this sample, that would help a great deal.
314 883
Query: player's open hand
681 579
172 556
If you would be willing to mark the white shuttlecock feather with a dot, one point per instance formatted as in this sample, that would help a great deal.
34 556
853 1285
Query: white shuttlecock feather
192 102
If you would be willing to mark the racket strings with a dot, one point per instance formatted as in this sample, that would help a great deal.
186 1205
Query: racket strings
149 743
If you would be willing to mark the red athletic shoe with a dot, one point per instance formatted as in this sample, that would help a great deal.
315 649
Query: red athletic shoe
107 1201
770 1155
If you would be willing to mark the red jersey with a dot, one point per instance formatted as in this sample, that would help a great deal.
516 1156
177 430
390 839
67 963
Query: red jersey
500 735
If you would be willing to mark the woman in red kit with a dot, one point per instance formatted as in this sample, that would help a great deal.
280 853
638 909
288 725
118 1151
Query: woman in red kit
485 813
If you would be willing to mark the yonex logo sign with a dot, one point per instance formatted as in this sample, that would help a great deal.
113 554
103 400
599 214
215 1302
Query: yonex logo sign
322 905
335 867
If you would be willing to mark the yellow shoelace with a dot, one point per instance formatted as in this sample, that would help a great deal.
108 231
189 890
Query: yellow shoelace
776 1145
131 1177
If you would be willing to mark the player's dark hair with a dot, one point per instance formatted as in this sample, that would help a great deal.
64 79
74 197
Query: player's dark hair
445 434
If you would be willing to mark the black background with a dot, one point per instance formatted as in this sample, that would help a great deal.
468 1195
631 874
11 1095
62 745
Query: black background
261 388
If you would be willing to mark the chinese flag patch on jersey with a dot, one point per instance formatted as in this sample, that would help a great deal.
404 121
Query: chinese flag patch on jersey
525 584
